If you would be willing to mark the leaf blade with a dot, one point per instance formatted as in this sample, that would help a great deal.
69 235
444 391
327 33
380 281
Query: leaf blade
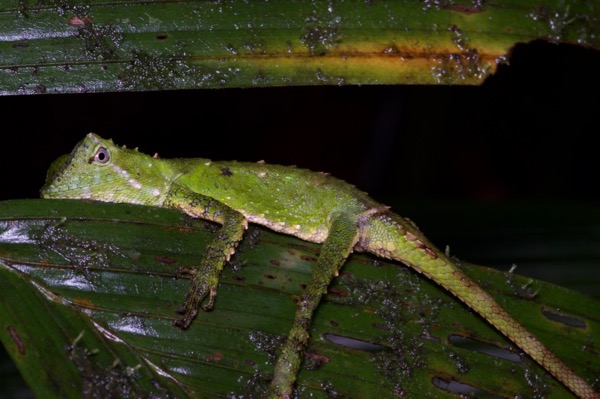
127 296
158 45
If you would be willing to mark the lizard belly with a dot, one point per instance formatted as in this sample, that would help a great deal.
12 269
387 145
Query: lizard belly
316 234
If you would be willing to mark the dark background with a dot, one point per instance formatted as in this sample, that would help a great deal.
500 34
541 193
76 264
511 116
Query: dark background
503 172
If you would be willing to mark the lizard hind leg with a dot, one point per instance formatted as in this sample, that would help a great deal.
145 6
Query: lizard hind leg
390 236
343 235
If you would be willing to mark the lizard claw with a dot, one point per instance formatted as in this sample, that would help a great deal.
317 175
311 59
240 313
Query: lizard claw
203 285
185 321
211 299
183 272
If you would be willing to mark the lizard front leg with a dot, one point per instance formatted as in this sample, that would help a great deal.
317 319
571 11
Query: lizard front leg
343 235
206 277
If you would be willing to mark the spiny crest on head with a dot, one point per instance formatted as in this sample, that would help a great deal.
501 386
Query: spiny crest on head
124 147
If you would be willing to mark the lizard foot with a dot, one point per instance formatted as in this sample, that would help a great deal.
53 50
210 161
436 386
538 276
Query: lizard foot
203 286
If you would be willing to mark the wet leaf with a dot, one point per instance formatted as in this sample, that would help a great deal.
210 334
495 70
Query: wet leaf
89 291
81 46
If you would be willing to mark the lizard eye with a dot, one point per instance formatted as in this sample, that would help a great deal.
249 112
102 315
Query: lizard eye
102 155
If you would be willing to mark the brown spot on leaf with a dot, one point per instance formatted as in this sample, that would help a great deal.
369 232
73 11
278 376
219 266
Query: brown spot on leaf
14 335
275 262
165 259
322 359
215 357
80 20
84 303
465 9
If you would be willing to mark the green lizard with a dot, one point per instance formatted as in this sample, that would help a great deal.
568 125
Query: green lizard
312 206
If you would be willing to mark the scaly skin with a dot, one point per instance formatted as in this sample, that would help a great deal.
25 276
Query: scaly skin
389 236
312 206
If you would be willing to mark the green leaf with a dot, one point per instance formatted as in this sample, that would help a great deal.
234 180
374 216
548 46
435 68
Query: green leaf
81 46
88 292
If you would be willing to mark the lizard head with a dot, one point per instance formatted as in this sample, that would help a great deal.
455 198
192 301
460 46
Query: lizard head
98 169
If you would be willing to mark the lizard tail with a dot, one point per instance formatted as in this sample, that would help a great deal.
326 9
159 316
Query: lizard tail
390 236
